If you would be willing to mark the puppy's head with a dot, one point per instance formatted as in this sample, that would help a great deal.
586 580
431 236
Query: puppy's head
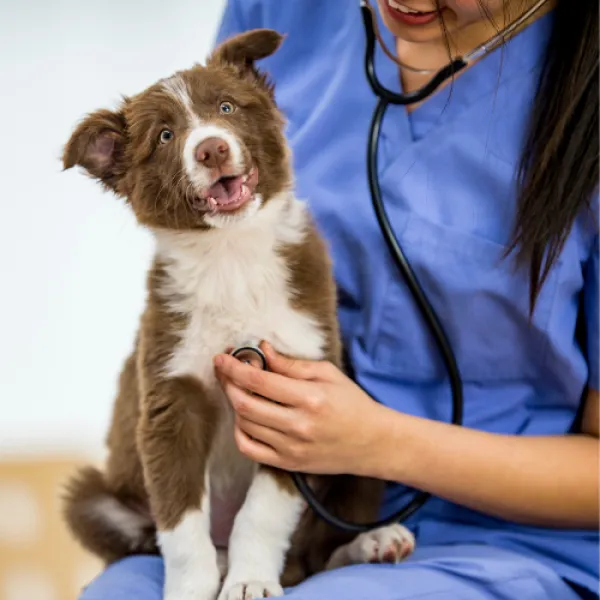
200 149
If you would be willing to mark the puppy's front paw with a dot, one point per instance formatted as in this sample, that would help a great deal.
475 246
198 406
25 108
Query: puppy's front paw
389 544
251 590
192 586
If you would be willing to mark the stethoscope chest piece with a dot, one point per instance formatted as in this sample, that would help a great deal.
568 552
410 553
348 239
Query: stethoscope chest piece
251 355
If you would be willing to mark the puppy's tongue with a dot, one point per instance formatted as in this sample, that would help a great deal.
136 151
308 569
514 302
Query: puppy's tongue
229 193
226 191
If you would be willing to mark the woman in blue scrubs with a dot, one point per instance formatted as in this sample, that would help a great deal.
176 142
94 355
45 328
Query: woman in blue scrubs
505 158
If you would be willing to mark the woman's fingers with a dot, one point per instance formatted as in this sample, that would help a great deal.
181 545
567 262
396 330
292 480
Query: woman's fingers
295 368
265 435
256 450
264 383
260 410
273 447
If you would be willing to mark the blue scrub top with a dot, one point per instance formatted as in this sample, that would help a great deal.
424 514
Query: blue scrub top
447 172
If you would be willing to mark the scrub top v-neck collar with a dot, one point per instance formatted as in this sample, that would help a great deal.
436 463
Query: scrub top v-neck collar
516 58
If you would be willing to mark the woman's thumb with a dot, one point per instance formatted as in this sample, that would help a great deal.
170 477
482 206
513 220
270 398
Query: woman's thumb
290 367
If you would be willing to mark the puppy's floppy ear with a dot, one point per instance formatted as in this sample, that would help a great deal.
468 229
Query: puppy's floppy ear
243 50
98 145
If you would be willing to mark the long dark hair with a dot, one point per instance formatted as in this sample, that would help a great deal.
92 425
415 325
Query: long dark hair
558 172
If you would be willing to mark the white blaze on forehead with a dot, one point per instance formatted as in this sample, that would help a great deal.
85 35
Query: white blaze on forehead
199 175
177 87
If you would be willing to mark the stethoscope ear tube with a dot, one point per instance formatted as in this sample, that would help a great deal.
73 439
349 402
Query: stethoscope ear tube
442 75
401 99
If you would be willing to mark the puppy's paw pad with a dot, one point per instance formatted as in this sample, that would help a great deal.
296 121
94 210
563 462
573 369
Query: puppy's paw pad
253 590
389 544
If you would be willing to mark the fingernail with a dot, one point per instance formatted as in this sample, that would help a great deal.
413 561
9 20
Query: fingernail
218 361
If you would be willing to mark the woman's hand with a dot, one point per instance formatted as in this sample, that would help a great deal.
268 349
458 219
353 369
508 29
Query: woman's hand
302 415
319 421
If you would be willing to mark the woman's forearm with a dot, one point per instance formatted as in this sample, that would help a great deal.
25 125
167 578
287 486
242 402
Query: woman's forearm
544 481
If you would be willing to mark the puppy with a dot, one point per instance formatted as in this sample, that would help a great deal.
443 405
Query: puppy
201 159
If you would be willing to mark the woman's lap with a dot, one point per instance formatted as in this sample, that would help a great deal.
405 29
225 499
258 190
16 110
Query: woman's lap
436 573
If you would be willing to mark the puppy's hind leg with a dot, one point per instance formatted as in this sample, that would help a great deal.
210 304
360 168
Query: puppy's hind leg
389 544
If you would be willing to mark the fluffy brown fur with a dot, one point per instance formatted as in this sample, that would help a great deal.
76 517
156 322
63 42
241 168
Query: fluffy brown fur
162 427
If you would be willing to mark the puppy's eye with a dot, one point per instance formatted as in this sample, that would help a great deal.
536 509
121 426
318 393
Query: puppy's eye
166 135
226 108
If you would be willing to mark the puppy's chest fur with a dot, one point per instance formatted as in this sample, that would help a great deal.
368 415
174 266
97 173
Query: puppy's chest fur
233 286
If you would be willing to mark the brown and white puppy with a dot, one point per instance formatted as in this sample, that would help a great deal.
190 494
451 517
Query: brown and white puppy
201 159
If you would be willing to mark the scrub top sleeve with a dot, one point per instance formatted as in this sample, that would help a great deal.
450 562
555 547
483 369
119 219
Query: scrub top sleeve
235 19
591 301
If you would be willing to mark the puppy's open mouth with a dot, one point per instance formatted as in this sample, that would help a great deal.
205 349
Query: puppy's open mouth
229 192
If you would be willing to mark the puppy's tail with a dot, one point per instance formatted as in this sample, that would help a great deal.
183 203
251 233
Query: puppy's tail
105 523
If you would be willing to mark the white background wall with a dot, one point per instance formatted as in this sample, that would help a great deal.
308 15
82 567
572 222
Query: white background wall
72 260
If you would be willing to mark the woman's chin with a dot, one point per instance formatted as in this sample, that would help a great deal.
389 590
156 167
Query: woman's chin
421 36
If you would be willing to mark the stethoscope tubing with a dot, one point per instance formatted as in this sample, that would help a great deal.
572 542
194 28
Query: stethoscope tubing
392 97
431 320
385 98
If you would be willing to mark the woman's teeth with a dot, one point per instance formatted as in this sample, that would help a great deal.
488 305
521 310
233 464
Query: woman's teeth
404 9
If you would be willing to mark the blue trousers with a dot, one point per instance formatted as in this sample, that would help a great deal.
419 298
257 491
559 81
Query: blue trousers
462 572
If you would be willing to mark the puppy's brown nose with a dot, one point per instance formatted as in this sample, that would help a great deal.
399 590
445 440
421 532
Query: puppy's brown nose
212 152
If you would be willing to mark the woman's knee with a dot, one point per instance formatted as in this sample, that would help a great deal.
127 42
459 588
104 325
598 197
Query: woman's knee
133 578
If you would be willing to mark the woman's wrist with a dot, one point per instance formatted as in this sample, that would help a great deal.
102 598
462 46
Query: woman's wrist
389 449
507 476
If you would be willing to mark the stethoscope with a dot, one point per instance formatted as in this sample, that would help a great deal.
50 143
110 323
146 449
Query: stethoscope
253 355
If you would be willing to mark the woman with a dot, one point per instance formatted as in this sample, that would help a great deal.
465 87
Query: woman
491 185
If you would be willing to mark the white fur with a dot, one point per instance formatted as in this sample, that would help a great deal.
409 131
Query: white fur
191 568
391 543
252 590
177 87
117 517
260 539
234 285
201 176
221 220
